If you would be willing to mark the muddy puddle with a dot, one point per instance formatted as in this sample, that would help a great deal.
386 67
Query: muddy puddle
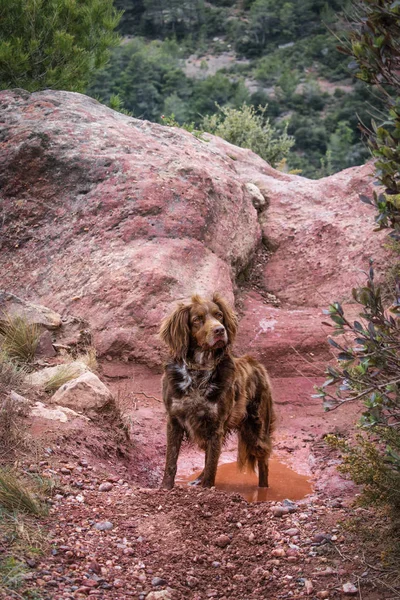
283 482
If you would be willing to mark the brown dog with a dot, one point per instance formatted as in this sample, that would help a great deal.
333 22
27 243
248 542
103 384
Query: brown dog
208 392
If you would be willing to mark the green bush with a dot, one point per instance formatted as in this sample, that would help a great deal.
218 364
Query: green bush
247 129
369 370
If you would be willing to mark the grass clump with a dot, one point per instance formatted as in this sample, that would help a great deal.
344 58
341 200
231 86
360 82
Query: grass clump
19 338
16 496
64 374
12 377
12 573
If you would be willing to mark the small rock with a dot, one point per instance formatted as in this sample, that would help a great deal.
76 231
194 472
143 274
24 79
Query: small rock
222 541
160 595
279 511
65 471
349 589
156 581
292 532
292 506
104 525
308 586
323 594
192 581
278 552
105 487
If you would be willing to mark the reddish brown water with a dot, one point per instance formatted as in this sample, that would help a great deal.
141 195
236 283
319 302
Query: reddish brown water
283 482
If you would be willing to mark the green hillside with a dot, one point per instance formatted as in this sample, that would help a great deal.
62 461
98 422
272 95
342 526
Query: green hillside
185 57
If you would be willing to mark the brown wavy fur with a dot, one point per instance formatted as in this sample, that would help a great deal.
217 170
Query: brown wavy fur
208 392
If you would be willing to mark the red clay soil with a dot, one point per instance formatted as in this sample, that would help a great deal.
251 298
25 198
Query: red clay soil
189 542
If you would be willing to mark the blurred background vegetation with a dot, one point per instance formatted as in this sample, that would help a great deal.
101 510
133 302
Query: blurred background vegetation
190 58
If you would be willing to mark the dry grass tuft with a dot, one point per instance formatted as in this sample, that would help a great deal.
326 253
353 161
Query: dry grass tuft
64 374
12 430
19 338
89 358
15 496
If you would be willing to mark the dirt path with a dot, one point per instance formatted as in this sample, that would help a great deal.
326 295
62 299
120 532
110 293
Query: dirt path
114 535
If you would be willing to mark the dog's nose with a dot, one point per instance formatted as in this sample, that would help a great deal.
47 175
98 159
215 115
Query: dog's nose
219 330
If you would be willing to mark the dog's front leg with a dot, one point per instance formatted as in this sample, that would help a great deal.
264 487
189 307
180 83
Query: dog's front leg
213 451
174 441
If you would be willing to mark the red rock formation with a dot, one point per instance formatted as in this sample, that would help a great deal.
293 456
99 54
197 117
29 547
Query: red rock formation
113 219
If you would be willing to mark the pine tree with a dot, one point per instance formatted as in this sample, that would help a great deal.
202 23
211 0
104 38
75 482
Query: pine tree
54 43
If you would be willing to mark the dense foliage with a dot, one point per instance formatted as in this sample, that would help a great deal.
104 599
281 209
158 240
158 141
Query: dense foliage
286 59
375 45
54 43
369 367
247 129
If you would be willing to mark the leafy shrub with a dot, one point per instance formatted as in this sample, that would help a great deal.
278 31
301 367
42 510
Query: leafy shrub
374 43
369 370
246 128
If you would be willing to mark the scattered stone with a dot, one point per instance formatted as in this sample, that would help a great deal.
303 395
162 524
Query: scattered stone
157 581
349 589
292 506
192 581
85 393
308 586
323 594
105 487
160 595
222 541
104 526
35 314
279 511
56 413
40 378
278 552
45 348
292 532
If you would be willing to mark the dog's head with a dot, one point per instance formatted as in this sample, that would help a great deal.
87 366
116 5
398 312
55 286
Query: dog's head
207 325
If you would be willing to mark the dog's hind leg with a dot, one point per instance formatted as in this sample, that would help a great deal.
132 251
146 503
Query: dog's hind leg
174 440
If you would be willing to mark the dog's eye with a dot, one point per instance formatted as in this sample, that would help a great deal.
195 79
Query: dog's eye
196 320
219 315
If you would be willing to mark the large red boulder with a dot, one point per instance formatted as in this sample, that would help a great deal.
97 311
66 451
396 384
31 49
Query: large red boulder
113 219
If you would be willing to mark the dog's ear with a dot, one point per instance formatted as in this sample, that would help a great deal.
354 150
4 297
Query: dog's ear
230 319
175 331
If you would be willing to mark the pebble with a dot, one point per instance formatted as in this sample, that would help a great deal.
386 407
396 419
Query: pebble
279 552
105 487
192 581
160 595
222 541
104 525
292 532
308 586
323 594
156 581
292 506
65 471
279 511
349 589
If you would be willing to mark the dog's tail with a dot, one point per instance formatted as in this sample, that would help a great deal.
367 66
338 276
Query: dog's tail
255 433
